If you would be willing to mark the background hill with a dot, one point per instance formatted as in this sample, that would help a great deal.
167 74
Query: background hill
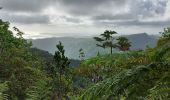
45 55
140 41
72 45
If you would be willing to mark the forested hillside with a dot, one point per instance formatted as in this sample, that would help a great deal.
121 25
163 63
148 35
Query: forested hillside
49 57
27 73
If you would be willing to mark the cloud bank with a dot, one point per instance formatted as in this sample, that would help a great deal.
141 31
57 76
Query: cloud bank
87 16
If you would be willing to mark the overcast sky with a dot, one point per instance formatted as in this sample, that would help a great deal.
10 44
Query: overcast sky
47 18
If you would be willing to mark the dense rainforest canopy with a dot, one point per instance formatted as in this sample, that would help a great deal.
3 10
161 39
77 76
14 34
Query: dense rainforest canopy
27 74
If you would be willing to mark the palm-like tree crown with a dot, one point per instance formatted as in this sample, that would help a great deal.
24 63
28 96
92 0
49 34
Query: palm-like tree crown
123 44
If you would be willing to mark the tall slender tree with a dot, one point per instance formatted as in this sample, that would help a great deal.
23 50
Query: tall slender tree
61 62
106 40
81 54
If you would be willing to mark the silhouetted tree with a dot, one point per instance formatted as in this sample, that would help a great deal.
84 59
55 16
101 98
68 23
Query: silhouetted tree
98 53
81 54
61 62
106 40
123 44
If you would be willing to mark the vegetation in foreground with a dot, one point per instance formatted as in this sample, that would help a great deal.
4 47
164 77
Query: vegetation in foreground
127 75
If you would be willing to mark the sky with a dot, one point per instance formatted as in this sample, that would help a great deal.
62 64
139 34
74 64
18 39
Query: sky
56 18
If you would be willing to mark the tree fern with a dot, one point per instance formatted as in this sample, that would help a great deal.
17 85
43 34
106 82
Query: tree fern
41 91
161 52
162 88
3 89
130 84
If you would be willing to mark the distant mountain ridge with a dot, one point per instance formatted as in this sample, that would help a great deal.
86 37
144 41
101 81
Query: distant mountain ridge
140 41
72 45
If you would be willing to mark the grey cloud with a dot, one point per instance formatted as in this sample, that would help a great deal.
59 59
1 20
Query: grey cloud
72 20
89 2
24 19
25 5
135 23
87 7
111 17
148 8
138 9
149 23
99 11
141 8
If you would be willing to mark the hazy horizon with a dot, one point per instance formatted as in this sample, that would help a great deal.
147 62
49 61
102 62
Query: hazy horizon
85 36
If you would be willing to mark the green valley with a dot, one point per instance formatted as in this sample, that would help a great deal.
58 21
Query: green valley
28 73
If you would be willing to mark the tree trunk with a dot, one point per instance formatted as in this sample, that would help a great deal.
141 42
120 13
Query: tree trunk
56 96
60 87
21 97
111 50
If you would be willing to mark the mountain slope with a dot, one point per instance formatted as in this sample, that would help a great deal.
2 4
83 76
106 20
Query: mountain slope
45 55
140 41
72 45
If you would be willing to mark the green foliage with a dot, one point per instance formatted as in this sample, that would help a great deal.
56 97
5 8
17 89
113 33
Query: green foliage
3 90
163 41
106 40
60 80
143 75
120 85
111 64
162 88
81 54
166 33
40 91
31 74
61 61
17 65
162 54
123 44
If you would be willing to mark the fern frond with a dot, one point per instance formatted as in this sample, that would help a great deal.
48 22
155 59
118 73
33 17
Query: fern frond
131 84
3 89
161 52
161 89
41 91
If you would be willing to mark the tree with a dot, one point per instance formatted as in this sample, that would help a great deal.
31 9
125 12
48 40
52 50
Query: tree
81 54
106 40
166 33
17 66
60 59
165 37
123 44
149 80
62 62
133 84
